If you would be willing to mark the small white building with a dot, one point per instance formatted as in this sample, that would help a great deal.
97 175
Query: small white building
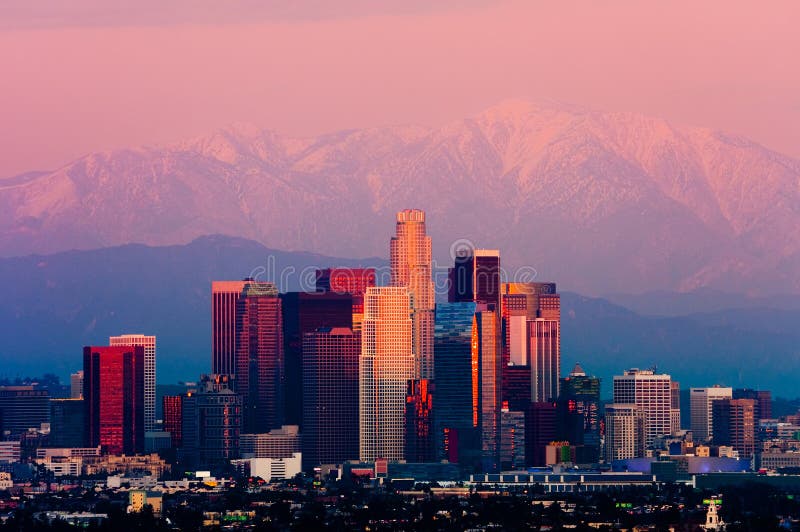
271 469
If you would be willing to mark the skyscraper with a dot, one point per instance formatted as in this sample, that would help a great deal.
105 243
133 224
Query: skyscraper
224 300
532 334
701 401
353 281
113 389
541 428
173 418
67 423
544 352
149 344
305 312
578 410
652 393
419 444
455 433
517 387
675 406
260 357
624 432
410 261
386 365
512 439
762 398
475 276
734 424
211 421
330 396
22 408
488 386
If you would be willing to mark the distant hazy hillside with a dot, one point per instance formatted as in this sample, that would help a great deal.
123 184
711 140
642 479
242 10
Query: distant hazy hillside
53 305
604 203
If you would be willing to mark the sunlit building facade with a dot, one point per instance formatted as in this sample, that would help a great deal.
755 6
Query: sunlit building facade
386 365
410 262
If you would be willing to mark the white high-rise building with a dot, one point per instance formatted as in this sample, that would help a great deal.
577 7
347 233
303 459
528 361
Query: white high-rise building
624 432
544 352
410 261
385 366
76 385
701 401
652 393
149 344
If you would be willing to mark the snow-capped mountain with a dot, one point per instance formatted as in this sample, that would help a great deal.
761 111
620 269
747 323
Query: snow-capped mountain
601 202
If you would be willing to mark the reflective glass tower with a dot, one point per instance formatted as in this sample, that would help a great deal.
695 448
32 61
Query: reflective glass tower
578 411
113 389
305 312
330 396
149 344
454 423
259 357
224 300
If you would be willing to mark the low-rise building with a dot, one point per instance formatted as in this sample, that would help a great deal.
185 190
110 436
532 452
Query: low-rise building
270 469
277 443
778 460
138 499
126 465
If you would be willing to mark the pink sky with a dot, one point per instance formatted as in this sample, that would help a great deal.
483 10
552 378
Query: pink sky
95 77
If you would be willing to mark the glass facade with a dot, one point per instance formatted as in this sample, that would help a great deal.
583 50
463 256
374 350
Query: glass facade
353 281
67 423
578 410
305 312
330 396
114 398
260 357
211 421
224 303
452 344
173 418
420 398
23 407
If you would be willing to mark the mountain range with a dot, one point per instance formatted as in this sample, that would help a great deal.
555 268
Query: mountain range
54 304
600 202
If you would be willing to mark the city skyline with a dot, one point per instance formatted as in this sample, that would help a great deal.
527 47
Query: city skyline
490 334
488 264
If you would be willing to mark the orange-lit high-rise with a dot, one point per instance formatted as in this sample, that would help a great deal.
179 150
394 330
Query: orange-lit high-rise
410 261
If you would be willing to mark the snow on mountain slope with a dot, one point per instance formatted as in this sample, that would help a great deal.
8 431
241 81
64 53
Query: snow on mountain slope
601 202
